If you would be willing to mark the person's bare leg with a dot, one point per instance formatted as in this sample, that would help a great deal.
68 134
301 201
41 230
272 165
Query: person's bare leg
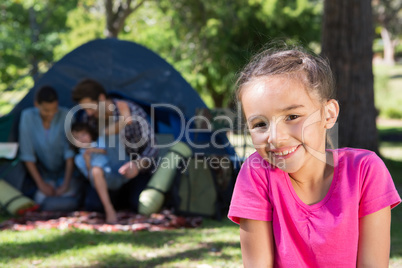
101 189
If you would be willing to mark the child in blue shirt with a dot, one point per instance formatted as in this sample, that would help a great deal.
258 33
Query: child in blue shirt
107 154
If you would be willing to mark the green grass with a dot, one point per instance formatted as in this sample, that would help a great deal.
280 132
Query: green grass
215 244
388 90
391 143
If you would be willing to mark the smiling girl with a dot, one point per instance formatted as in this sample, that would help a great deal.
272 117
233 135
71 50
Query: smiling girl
299 204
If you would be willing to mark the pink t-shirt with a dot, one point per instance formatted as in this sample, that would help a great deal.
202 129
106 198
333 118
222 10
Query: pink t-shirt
324 234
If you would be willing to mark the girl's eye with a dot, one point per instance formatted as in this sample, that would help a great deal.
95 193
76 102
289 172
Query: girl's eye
292 117
260 125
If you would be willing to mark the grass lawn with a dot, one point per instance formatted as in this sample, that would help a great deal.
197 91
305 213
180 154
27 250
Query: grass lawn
215 244
388 90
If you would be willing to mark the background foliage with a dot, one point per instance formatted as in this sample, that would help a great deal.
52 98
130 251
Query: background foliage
206 41
29 31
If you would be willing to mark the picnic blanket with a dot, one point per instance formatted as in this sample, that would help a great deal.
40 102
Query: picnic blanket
127 221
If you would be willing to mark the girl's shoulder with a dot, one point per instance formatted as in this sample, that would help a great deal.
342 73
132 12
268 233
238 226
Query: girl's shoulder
355 158
354 154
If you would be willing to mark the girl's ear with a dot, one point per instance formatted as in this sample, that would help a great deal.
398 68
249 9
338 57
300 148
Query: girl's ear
331 113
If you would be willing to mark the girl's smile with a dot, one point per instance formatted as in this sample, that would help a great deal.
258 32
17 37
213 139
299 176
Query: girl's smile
283 152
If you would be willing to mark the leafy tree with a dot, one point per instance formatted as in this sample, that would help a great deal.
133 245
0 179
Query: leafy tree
209 41
29 30
148 27
86 22
388 14
217 37
347 42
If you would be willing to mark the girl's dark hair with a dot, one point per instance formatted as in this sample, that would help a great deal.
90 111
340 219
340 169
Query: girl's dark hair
46 94
79 126
295 62
88 88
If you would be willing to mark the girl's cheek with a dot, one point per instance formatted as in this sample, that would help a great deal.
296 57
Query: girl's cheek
309 126
297 130
259 139
311 122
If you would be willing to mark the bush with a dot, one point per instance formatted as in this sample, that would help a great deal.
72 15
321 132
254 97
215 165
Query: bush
393 113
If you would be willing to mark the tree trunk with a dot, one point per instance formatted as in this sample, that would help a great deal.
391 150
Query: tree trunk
218 98
116 17
347 43
35 31
389 54
114 23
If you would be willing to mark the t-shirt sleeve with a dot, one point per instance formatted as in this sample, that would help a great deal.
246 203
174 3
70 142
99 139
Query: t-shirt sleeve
250 199
377 188
68 151
26 146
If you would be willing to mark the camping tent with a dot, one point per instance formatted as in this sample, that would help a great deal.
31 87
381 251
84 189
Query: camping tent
135 72
128 70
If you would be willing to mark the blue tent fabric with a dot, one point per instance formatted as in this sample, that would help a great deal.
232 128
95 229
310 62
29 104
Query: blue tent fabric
132 71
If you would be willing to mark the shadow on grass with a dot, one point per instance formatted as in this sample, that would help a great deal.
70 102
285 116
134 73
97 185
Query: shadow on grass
208 252
392 134
79 240
396 232
82 239
395 168
55 243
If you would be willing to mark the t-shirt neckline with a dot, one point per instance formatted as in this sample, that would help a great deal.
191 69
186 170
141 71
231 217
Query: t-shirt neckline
316 206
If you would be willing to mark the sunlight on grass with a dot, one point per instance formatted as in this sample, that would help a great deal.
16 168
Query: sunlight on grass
215 244
387 90
391 139
392 151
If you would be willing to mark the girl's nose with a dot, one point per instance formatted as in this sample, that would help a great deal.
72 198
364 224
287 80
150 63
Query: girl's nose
277 133
272 133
